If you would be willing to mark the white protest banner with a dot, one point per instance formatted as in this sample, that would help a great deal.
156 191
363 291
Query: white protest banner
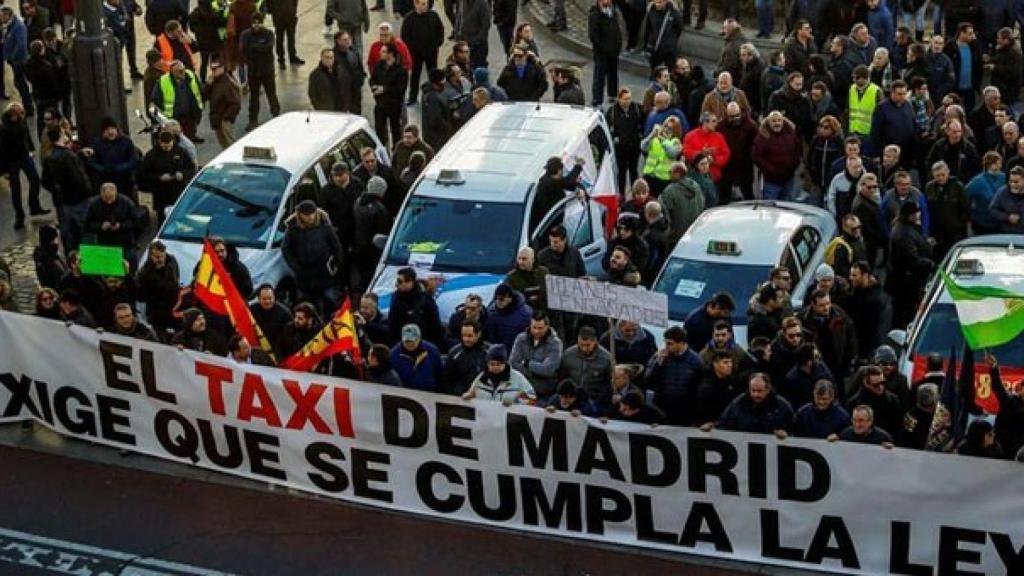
841 508
585 296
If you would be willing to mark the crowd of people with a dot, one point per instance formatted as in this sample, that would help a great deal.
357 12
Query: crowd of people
877 126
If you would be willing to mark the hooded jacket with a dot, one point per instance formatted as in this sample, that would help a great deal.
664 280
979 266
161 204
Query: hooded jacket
777 154
307 249
509 386
771 414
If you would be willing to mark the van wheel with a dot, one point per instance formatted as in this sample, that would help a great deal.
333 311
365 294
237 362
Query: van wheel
287 293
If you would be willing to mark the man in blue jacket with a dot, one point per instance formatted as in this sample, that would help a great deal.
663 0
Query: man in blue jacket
417 362
759 411
675 374
16 53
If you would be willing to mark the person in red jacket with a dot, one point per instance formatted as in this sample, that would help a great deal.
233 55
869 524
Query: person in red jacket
777 152
385 35
706 139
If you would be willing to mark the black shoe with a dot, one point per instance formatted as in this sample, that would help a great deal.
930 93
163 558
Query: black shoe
296 61
19 222
198 140
40 211
136 75
280 64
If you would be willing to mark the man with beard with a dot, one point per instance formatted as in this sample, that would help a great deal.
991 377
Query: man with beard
194 335
869 307
304 326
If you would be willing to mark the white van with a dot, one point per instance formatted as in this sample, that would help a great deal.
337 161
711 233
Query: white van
245 194
468 214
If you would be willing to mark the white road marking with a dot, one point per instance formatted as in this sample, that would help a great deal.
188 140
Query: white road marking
64 557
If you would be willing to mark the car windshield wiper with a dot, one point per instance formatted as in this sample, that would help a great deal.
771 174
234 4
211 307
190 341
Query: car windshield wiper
250 209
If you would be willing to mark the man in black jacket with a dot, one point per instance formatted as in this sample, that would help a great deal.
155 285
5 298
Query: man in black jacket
523 78
351 73
606 39
466 360
271 315
412 304
65 176
313 252
338 199
164 172
371 218
111 218
423 33
325 89
552 186
388 82
258 54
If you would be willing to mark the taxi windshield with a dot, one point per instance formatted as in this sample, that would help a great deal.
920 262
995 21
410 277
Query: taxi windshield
940 333
457 235
235 201
689 283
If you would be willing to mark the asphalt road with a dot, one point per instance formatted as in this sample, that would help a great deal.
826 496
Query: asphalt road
65 515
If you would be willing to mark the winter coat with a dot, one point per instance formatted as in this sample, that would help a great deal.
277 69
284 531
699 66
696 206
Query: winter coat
371 218
740 139
308 250
797 109
682 202
476 22
415 307
881 27
510 386
777 154
941 76
158 289
504 324
1006 73
115 161
538 360
715 394
423 33
157 162
798 56
675 381
638 350
834 336
698 139
224 98
340 204
1003 204
282 11
662 29
530 87
64 175
349 14
886 406
892 124
570 93
626 126
121 212
729 60
824 152
158 12
890 208
949 210
798 386
324 89
420 369
592 373
980 192
393 79
206 24
604 32
582 404
272 322
962 158
463 366
437 116
952 50
50 266
870 309
749 82
810 422
742 415
257 49
209 341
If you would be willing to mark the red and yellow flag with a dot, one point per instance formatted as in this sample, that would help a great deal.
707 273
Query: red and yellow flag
339 335
215 289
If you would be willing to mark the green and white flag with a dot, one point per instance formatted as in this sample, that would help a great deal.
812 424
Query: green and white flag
989 316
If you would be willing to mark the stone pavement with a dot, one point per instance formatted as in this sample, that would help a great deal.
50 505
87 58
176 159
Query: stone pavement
700 46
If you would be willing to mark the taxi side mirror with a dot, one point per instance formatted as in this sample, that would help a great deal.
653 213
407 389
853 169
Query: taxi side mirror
380 241
898 339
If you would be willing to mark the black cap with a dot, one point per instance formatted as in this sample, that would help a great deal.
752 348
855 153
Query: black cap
306 207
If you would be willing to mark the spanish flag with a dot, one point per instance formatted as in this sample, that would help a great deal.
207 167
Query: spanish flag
215 289
339 335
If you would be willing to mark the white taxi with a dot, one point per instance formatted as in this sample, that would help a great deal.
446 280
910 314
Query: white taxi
733 249
248 191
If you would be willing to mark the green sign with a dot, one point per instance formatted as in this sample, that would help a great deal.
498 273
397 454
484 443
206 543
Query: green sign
102 260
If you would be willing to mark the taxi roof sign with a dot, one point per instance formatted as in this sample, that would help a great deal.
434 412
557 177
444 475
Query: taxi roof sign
723 248
264 153
968 267
447 177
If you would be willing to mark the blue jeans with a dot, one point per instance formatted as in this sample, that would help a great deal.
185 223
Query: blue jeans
765 16
917 18
781 192
606 71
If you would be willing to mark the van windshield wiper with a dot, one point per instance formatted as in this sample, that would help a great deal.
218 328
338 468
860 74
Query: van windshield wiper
251 208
